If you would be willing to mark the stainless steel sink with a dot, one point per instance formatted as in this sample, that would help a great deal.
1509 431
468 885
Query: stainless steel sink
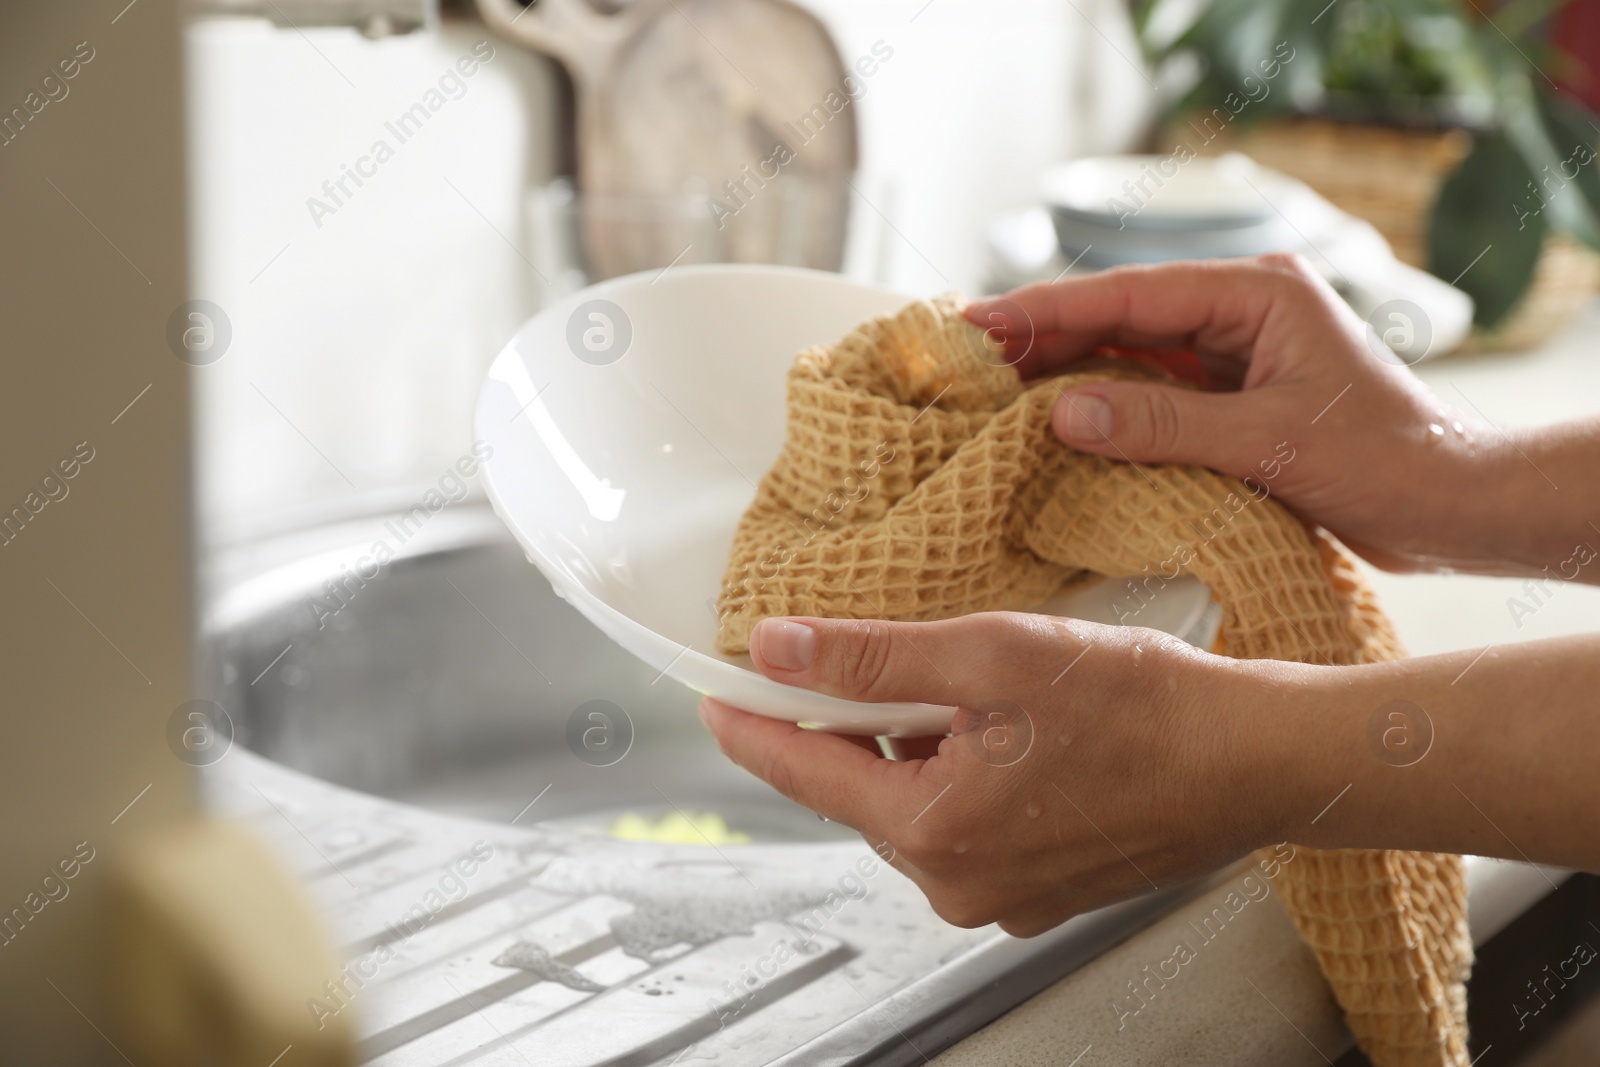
397 724
450 680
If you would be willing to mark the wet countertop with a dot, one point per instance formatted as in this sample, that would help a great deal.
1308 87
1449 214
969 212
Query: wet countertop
473 942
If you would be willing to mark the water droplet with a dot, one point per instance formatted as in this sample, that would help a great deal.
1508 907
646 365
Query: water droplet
1172 684
960 848
1031 811
1435 433
1459 428
652 992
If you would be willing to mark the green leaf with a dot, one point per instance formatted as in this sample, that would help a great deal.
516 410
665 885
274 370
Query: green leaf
1573 134
1234 39
1480 236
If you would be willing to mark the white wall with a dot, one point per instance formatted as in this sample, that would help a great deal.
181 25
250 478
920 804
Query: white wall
980 96
370 332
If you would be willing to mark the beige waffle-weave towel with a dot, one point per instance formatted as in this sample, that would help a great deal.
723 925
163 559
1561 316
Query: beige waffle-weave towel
920 480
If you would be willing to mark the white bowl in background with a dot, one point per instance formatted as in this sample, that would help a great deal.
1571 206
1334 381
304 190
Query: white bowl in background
626 447
1160 193
1111 210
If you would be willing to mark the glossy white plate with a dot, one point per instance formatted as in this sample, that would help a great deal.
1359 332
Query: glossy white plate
629 425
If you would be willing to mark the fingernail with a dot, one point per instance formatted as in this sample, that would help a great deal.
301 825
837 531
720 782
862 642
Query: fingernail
1088 418
785 644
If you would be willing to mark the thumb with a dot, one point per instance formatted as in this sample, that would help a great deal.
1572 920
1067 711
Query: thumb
959 661
1148 423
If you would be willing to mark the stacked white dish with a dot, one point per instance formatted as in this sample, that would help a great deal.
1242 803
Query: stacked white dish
1111 210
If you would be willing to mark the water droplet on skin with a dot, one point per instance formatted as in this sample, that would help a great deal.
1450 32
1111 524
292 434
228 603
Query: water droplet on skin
960 848
1435 433
1138 653
1031 811
1172 684
1070 631
1459 428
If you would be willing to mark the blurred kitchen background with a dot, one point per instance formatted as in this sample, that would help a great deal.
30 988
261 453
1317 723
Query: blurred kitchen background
381 191
362 320
366 329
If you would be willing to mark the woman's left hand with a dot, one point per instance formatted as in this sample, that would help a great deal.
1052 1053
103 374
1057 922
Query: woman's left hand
1086 764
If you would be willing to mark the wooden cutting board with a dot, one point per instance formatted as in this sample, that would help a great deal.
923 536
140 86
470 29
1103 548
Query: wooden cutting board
707 130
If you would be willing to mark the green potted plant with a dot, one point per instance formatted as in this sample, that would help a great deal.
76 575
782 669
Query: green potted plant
1433 119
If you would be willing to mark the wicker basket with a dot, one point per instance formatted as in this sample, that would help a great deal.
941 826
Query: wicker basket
1390 177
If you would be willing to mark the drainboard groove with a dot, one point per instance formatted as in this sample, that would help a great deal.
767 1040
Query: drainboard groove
464 1005
436 946
572 933
358 859
653 1014
402 930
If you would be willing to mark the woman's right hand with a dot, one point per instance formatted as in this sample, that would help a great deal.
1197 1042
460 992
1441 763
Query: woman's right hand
1376 458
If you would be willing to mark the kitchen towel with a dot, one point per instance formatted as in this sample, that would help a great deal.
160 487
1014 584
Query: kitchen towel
920 480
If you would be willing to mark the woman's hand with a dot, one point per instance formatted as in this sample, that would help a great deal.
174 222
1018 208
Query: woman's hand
1102 761
1402 478
1133 765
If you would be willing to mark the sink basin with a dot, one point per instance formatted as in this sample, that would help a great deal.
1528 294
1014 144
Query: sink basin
452 679
445 753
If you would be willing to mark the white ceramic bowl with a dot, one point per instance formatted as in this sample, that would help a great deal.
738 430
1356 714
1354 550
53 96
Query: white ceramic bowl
1110 210
1161 193
625 448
